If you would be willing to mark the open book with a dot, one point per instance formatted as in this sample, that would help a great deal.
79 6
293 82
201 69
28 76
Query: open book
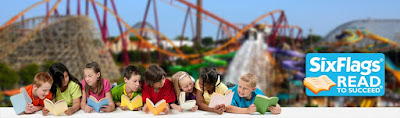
20 100
262 103
156 108
317 84
56 108
217 99
186 105
96 104
131 104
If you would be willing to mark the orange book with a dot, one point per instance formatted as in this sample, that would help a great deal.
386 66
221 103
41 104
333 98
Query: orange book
317 84
156 108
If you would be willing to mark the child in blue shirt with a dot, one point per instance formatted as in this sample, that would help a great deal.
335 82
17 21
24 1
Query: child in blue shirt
244 95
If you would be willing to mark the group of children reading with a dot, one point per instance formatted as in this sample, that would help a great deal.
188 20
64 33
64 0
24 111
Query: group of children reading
58 84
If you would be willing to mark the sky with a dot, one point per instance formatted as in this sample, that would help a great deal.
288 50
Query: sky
321 16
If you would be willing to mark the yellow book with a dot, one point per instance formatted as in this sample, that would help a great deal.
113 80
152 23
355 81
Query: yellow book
317 84
131 104
156 108
56 108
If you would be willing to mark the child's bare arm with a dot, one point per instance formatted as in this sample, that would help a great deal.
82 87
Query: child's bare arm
118 104
176 107
234 109
111 106
200 102
276 109
37 108
75 106
84 105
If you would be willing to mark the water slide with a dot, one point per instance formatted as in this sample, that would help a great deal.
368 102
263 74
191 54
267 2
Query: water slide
357 35
391 67
296 66
211 60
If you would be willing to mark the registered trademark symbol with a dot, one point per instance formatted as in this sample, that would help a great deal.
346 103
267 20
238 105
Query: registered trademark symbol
381 87
381 60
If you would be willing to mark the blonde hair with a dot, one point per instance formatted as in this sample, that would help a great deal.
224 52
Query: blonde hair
175 81
41 78
248 77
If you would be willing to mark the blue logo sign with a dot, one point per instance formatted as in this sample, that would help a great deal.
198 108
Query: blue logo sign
345 74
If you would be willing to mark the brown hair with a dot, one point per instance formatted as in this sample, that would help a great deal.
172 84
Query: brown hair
175 81
99 84
41 78
131 70
248 77
154 73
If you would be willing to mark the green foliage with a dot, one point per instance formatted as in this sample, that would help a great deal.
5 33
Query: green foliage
180 37
207 41
8 77
27 73
47 65
187 49
311 39
135 38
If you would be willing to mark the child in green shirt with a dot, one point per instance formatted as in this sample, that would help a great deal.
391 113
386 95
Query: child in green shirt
131 87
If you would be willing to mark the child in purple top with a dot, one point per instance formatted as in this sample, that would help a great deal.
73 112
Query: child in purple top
183 82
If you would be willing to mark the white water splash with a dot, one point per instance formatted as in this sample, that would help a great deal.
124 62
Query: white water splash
251 58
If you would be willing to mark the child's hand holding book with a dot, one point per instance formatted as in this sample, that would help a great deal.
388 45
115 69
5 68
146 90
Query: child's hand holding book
88 109
106 108
275 110
252 108
45 111
29 108
219 108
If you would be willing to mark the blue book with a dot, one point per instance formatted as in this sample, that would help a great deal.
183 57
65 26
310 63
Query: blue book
96 104
20 100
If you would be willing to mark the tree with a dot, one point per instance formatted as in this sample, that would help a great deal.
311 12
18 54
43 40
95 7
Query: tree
135 38
8 77
47 65
27 73
207 41
311 39
178 38
187 50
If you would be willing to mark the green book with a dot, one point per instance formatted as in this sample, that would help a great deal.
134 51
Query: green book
262 103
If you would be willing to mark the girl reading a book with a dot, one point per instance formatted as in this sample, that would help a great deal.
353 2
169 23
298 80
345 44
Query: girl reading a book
65 87
183 82
97 87
208 83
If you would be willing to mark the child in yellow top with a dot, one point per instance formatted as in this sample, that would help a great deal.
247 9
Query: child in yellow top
208 83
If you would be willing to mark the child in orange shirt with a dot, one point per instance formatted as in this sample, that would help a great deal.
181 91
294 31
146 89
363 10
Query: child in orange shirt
38 91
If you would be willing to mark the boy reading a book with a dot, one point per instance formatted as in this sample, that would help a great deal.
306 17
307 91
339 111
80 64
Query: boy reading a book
157 87
38 91
244 95
131 87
